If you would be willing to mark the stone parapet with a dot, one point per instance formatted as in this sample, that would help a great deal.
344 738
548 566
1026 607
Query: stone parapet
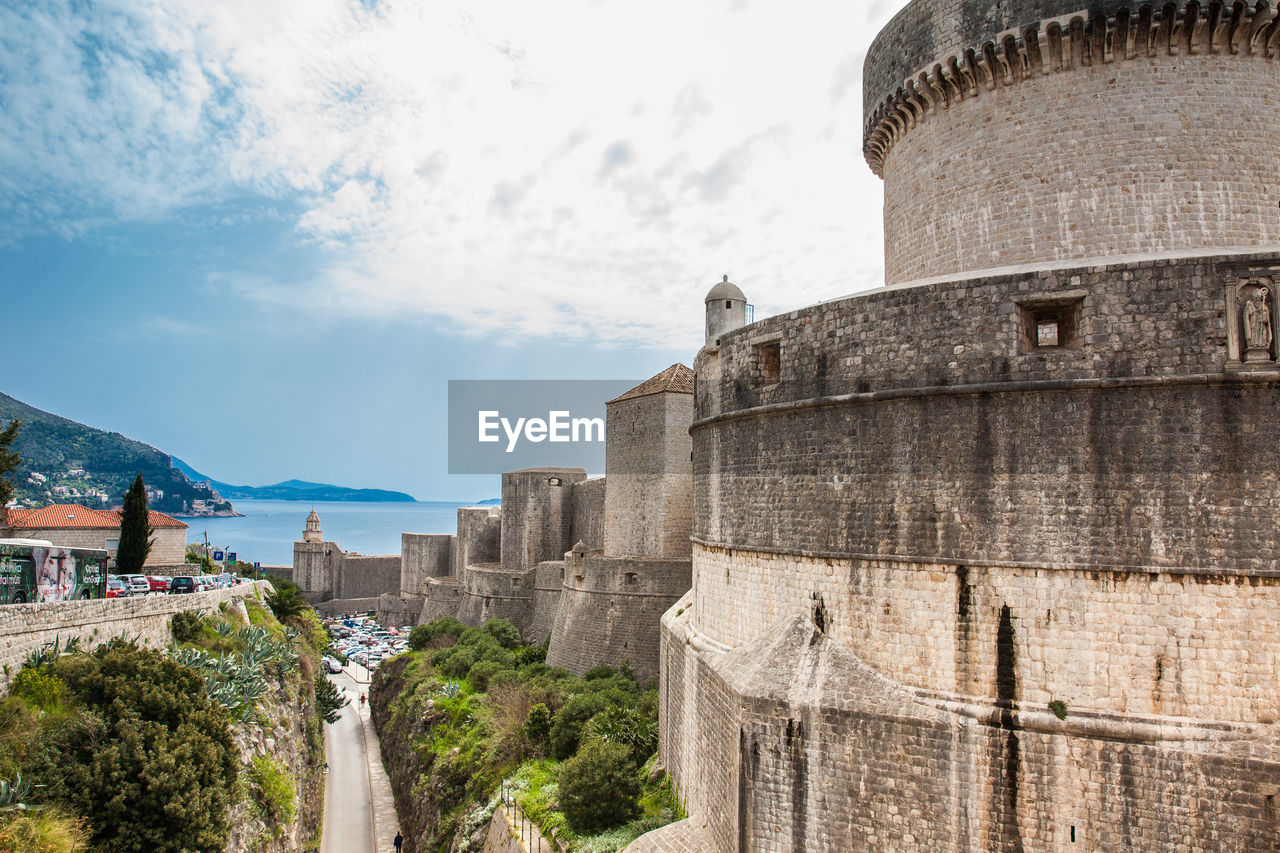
608 610
27 627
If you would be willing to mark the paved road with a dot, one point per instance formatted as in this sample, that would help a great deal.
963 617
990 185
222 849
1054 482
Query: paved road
348 806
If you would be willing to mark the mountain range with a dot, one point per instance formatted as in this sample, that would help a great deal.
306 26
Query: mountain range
293 490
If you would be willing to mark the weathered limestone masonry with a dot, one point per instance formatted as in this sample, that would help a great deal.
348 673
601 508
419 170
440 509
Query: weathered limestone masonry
611 600
328 574
989 562
972 108
423 557
26 627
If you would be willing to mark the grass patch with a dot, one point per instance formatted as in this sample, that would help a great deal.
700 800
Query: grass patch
43 831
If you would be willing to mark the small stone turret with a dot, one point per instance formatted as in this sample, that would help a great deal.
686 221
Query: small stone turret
313 533
726 310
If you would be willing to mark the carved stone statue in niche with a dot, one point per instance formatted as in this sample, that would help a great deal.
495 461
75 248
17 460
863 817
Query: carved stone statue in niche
1257 323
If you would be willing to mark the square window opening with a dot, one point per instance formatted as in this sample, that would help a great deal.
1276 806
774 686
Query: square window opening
768 363
1049 324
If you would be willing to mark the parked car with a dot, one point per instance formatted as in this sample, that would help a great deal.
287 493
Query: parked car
138 584
159 583
116 588
183 584
330 664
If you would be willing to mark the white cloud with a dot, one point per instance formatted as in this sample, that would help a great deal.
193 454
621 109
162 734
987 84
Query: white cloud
581 170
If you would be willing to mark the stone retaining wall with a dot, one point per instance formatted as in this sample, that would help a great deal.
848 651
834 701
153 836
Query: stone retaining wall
26 627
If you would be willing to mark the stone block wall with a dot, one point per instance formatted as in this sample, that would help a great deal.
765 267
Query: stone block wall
314 568
400 610
791 743
444 598
368 577
548 582
490 591
608 611
649 500
1150 185
26 627
424 556
537 515
588 513
334 606
479 538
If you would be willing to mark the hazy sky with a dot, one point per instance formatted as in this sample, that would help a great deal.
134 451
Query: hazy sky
263 235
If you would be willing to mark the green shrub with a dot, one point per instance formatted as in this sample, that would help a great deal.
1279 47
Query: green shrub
537 726
599 787
186 626
507 635
481 672
286 603
629 727
457 661
598 672
419 636
147 759
39 687
567 727
273 786
529 655
445 626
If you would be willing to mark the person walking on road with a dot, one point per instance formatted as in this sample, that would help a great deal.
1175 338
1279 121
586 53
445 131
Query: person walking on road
399 840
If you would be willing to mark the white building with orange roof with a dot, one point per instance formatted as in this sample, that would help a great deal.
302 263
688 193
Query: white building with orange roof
78 526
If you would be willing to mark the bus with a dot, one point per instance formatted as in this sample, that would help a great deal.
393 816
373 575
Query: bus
37 570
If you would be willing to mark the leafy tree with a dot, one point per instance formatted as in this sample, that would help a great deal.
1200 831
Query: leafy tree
599 787
9 460
507 635
537 726
135 531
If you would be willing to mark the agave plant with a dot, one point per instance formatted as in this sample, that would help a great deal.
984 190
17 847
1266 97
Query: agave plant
13 793
451 689
53 650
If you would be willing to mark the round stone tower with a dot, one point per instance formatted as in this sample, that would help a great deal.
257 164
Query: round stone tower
1052 131
980 559
726 310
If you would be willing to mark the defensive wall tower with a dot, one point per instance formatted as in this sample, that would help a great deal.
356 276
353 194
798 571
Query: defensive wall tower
987 559
612 599
1059 131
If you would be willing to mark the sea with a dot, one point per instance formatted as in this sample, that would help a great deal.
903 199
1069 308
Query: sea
266 532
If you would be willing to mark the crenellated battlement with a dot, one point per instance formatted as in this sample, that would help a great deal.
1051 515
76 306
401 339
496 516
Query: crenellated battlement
1067 43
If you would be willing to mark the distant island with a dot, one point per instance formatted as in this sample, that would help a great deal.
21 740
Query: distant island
293 490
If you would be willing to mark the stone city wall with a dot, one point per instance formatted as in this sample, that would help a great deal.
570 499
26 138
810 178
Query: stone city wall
444 598
537 515
400 610
424 556
367 577
493 592
479 537
26 627
609 609
1132 450
792 743
1149 185
588 513
548 582
648 502
335 606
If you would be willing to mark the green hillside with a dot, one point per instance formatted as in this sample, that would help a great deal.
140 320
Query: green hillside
58 449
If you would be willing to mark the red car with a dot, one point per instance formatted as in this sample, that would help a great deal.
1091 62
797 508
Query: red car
159 583
116 588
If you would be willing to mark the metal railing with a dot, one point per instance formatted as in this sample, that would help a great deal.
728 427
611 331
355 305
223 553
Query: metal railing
531 838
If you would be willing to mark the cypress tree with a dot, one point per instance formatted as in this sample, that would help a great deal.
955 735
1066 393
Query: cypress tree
135 531
9 461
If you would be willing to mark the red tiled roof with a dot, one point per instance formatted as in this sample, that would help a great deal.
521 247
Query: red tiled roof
157 519
64 516
676 379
